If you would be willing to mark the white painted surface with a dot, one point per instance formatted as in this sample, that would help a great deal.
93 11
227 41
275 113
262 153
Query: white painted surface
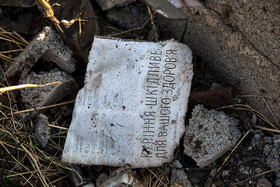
131 89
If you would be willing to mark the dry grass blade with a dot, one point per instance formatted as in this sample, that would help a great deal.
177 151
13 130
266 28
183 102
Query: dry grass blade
250 109
40 108
256 176
267 105
130 30
159 176
12 38
152 22
10 88
267 129
209 181
34 161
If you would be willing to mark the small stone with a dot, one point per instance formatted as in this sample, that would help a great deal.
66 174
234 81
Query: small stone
209 135
254 119
257 137
36 97
225 173
107 4
216 86
179 177
48 44
42 129
258 170
263 183
244 170
271 152
239 101
277 182
177 164
268 140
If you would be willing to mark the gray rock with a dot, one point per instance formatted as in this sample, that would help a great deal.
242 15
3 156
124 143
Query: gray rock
257 137
258 170
277 182
47 95
271 152
48 44
177 164
107 4
225 173
209 135
179 177
42 130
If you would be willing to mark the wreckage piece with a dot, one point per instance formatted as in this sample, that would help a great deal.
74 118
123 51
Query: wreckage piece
122 178
47 41
47 95
132 108
209 135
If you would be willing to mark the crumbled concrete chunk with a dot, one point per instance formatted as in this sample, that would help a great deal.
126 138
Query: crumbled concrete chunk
132 108
49 94
107 4
42 129
209 135
178 175
48 44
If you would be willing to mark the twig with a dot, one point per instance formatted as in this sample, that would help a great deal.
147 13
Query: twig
152 22
209 182
48 11
10 88
267 105
267 129
41 108
235 148
210 95
249 108
130 30
157 178
58 127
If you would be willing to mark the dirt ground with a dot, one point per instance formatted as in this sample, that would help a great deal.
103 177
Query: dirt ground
24 161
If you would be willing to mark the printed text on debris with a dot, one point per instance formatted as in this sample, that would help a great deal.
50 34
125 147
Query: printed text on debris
160 86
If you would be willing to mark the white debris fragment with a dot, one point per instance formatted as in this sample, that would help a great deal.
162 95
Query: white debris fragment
107 4
132 108
209 135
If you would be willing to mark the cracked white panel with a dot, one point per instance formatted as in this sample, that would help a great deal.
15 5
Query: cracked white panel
133 105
